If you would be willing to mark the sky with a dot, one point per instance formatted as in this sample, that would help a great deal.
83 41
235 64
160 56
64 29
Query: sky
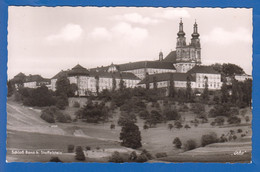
46 40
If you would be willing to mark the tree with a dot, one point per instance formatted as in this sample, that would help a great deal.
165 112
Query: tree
188 90
133 156
224 92
171 87
113 83
116 157
112 126
205 94
177 142
209 139
154 83
178 124
10 88
97 84
121 84
155 117
147 83
62 86
130 135
186 126
190 144
80 156
231 69
170 126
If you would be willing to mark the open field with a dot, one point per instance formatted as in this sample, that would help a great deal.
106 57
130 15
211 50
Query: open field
27 131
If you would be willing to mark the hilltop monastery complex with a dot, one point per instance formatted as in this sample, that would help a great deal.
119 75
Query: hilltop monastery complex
178 65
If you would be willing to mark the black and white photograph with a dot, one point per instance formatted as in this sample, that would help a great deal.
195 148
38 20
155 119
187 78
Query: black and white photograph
129 84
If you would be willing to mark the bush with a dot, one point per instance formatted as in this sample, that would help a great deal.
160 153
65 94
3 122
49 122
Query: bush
190 144
112 126
223 139
171 114
80 154
247 118
63 118
234 137
142 158
88 148
239 130
76 104
161 154
209 139
55 159
186 126
133 156
177 124
197 108
144 114
145 127
183 108
116 157
147 154
219 120
177 142
234 120
71 148
48 117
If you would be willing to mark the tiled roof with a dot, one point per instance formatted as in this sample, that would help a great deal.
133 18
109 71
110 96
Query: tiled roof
203 69
60 74
33 78
78 70
146 64
171 57
139 65
167 76
117 75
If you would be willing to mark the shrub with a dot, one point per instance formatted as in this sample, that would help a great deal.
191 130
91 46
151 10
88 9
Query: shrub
183 108
239 130
88 148
209 139
79 154
186 126
234 120
177 124
170 126
116 157
145 127
142 158
197 108
161 154
144 114
190 144
247 118
133 156
177 142
243 135
234 137
55 159
112 126
219 120
48 117
171 114
76 104
147 154
71 148
63 118
223 139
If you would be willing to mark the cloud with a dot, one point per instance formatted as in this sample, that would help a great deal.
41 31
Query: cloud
70 32
100 33
136 18
223 37
121 32
173 14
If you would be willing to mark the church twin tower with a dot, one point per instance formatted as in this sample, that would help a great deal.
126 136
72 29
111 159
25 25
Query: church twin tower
187 56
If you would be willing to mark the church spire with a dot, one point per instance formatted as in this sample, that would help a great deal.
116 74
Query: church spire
195 33
181 33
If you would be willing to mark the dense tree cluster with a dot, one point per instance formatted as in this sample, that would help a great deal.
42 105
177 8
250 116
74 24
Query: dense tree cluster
40 96
93 112
52 115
